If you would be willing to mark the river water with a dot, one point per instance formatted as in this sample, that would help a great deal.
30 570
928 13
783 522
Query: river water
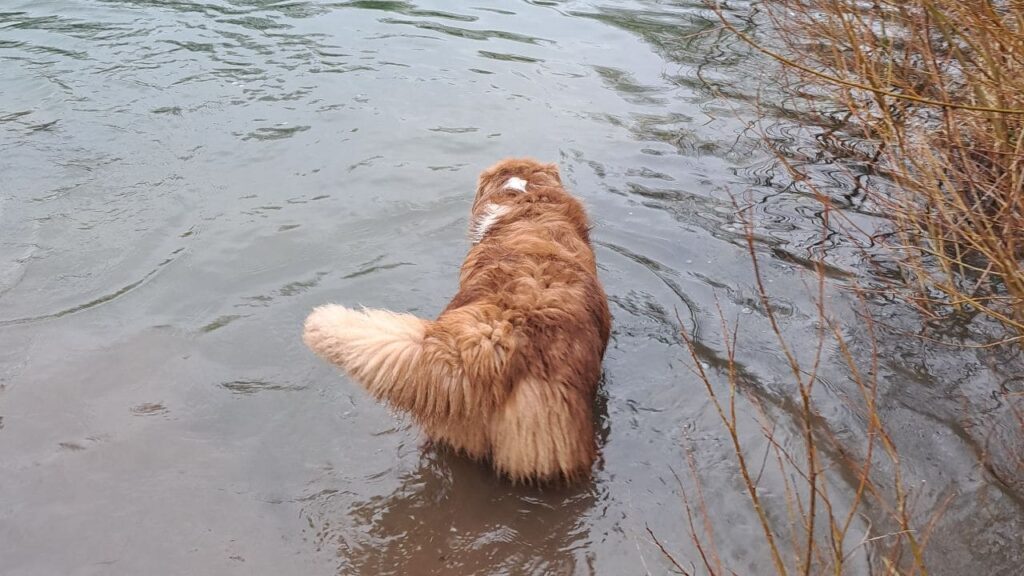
182 181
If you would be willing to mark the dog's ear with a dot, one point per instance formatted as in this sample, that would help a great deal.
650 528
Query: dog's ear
552 170
485 182
492 174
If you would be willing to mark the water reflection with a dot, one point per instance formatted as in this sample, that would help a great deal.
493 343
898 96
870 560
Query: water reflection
450 516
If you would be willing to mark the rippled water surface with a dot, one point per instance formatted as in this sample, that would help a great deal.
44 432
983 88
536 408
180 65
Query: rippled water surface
181 181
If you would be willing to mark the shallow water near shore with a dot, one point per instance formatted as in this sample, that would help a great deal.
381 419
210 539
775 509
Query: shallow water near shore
181 182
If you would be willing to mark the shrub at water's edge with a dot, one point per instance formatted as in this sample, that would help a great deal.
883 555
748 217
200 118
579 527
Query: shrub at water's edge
937 88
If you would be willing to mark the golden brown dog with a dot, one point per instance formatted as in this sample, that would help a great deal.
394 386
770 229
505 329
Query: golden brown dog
509 370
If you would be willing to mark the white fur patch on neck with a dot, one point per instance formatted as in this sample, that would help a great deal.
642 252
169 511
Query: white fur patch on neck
514 183
488 217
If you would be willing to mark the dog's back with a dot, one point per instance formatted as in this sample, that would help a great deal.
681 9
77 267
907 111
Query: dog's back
510 368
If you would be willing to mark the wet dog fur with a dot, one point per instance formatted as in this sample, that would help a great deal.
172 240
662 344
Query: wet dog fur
508 372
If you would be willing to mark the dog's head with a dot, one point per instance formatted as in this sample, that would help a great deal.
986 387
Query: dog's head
516 175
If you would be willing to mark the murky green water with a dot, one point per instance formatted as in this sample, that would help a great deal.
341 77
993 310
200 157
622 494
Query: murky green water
180 182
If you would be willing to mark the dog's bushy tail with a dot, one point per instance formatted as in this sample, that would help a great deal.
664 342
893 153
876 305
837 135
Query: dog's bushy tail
445 369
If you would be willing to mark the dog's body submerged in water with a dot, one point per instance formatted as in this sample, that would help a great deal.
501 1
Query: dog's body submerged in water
510 369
